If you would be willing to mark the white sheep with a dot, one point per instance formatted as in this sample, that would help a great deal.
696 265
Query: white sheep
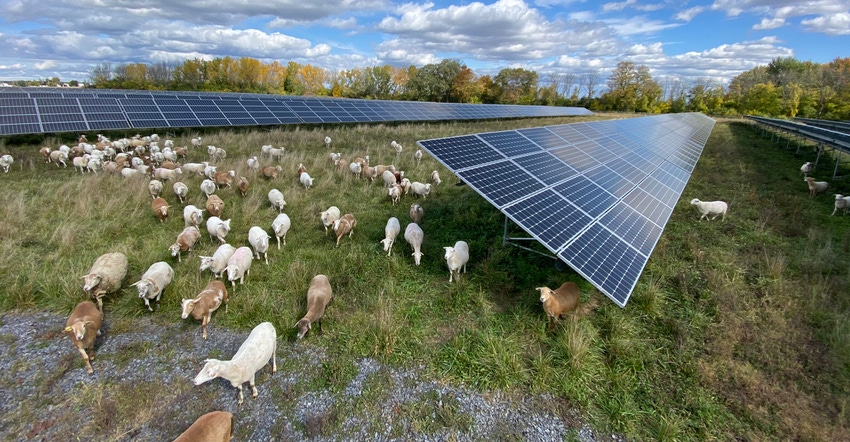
164 174
816 187
239 265
394 193
355 168
215 426
155 188
81 163
435 178
416 213
59 157
210 171
840 203
417 156
306 180
390 233
154 281
328 142
259 240
94 164
396 147
218 261
83 326
419 189
6 162
218 228
196 168
456 258
276 199
192 216
329 216
710 208
557 303
276 153
806 168
280 226
202 306
389 178
128 172
181 190
414 236
319 294
252 355
208 187
105 276
253 163
343 225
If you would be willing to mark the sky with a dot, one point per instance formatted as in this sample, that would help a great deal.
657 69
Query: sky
679 40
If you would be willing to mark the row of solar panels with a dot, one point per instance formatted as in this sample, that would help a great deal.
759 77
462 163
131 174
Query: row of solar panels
834 139
838 126
597 195
40 110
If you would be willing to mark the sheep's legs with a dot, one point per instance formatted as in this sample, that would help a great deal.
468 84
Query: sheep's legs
204 324
239 402
254 392
86 358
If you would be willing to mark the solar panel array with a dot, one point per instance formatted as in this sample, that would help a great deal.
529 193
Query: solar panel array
597 195
51 110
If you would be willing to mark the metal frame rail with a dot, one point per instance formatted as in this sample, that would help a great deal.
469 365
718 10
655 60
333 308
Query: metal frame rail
838 126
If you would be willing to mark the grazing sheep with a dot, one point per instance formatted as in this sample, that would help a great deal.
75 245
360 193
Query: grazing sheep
456 257
713 208
344 225
82 327
155 188
239 265
276 153
276 200
6 162
215 426
154 281
218 228
335 156
181 190
557 303
301 169
242 185
252 355
417 156
218 261
414 236
202 306
816 187
840 203
416 213
224 179
306 180
329 216
214 205
806 168
280 226
341 165
259 240
59 157
390 233
192 216
419 189
394 193
270 172
185 241
208 187
389 178
318 296
105 276
160 208
435 178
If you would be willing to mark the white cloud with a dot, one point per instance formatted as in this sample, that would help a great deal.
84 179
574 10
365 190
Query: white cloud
631 4
689 14
639 25
835 24
12 67
769 23
44 65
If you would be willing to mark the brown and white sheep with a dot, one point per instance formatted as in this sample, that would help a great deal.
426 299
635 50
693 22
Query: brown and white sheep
318 296
160 208
208 300
344 225
242 185
185 241
82 327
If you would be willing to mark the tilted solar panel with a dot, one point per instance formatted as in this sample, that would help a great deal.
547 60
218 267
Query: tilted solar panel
597 195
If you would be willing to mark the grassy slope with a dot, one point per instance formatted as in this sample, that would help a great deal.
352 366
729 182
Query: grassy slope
736 328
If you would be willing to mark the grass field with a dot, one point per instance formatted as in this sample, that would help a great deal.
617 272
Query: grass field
736 330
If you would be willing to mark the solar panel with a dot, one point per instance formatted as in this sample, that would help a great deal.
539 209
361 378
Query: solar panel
597 195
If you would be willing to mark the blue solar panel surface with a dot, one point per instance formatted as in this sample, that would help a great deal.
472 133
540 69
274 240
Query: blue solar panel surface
597 195
45 110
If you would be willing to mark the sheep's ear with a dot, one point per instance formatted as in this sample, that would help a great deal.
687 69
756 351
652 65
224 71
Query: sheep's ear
136 283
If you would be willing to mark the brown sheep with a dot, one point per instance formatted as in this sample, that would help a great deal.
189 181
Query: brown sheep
301 169
45 153
270 172
215 205
344 225
215 426
224 179
202 306
318 296
82 327
557 303
160 208
242 185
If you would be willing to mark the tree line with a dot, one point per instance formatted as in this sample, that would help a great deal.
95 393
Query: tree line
786 87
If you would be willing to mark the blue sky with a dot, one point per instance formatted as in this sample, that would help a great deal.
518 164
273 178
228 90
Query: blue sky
679 40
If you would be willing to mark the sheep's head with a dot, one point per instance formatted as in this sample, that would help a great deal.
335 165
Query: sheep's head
232 272
387 244
303 327
90 281
78 329
144 287
174 249
206 262
417 256
545 293
188 306
694 201
450 251
209 372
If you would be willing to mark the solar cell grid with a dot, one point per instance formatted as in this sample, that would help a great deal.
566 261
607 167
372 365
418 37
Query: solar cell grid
575 158
17 110
502 182
549 218
461 152
510 143
587 195
546 167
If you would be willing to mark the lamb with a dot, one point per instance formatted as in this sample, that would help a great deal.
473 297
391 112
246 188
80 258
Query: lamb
218 261
329 216
252 355
276 153
341 164
414 236
196 142
208 187
280 226
435 178
394 193
405 184
344 225
318 296
253 163
816 187
306 180
181 190
390 233
59 157
239 265
806 168
840 203
396 147
82 327
242 185
335 156
218 228
6 162
276 200
418 189
456 257
714 208
185 241
155 188
192 216
154 281
105 276
270 172
557 303
215 426
202 306
224 179
416 213
214 205
259 240
160 208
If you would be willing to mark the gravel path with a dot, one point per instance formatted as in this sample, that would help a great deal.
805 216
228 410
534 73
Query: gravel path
141 390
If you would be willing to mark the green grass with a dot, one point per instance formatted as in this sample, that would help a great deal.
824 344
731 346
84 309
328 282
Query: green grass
737 329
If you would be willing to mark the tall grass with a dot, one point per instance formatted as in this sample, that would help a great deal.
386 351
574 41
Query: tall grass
737 329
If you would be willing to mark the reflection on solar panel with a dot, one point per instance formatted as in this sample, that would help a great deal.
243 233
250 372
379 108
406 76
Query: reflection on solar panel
597 195
45 110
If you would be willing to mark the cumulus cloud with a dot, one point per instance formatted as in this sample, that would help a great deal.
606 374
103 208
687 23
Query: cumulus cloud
835 24
46 64
769 23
